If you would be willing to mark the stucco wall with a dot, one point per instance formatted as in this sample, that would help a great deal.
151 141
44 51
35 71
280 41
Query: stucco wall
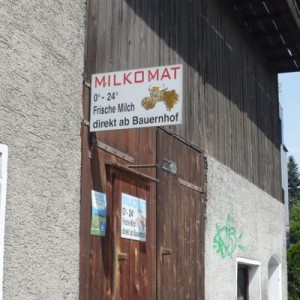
254 220
41 64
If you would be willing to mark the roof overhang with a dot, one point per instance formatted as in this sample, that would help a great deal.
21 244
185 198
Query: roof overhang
275 26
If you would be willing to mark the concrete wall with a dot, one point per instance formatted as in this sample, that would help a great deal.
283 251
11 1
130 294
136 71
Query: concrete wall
41 64
255 225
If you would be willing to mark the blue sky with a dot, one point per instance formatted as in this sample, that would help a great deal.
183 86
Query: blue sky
289 95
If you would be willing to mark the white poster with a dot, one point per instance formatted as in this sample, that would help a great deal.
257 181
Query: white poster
136 98
133 220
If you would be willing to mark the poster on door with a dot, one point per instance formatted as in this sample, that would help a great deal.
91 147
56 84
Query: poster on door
133 220
99 213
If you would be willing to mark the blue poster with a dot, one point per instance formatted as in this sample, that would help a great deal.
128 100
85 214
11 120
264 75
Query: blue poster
99 213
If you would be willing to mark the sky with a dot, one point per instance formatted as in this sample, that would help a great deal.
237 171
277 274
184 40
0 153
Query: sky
289 95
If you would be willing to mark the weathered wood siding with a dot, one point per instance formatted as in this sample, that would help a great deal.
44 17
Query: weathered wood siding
102 274
231 98
180 222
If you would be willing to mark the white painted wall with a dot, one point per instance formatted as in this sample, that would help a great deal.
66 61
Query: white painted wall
285 186
254 214
41 65
284 173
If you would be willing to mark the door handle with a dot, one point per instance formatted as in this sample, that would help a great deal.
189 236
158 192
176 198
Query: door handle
165 251
122 256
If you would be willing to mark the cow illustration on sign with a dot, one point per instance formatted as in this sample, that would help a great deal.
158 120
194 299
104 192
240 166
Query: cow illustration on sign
157 94
141 221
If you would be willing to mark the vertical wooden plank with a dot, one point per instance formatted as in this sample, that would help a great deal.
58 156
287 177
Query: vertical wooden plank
185 241
124 35
116 33
181 259
202 53
191 267
84 287
199 250
240 114
108 242
99 60
131 37
247 121
91 39
168 225
96 278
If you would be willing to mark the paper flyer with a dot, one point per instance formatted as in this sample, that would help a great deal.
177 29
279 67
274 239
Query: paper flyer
99 213
133 221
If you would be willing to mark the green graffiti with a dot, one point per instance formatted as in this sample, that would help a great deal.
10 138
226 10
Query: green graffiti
226 240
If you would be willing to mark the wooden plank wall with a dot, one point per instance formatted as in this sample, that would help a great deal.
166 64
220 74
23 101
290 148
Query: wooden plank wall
231 98
180 222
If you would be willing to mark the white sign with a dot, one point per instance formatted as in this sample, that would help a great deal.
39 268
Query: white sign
133 221
136 98
99 205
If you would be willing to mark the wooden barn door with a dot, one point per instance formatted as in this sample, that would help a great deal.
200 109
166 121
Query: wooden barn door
117 266
133 236
180 222
169 263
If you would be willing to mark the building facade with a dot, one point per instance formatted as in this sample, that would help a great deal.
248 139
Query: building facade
215 223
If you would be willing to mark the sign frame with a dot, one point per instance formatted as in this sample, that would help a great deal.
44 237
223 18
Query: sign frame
133 218
137 98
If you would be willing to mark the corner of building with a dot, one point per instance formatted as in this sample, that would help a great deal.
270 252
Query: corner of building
245 226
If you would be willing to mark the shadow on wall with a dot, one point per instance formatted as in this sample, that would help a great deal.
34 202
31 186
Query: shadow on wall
209 38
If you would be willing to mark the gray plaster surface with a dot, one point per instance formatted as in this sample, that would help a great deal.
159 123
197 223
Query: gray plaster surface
256 216
41 65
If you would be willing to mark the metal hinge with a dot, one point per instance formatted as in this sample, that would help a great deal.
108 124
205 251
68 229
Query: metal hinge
86 123
87 84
